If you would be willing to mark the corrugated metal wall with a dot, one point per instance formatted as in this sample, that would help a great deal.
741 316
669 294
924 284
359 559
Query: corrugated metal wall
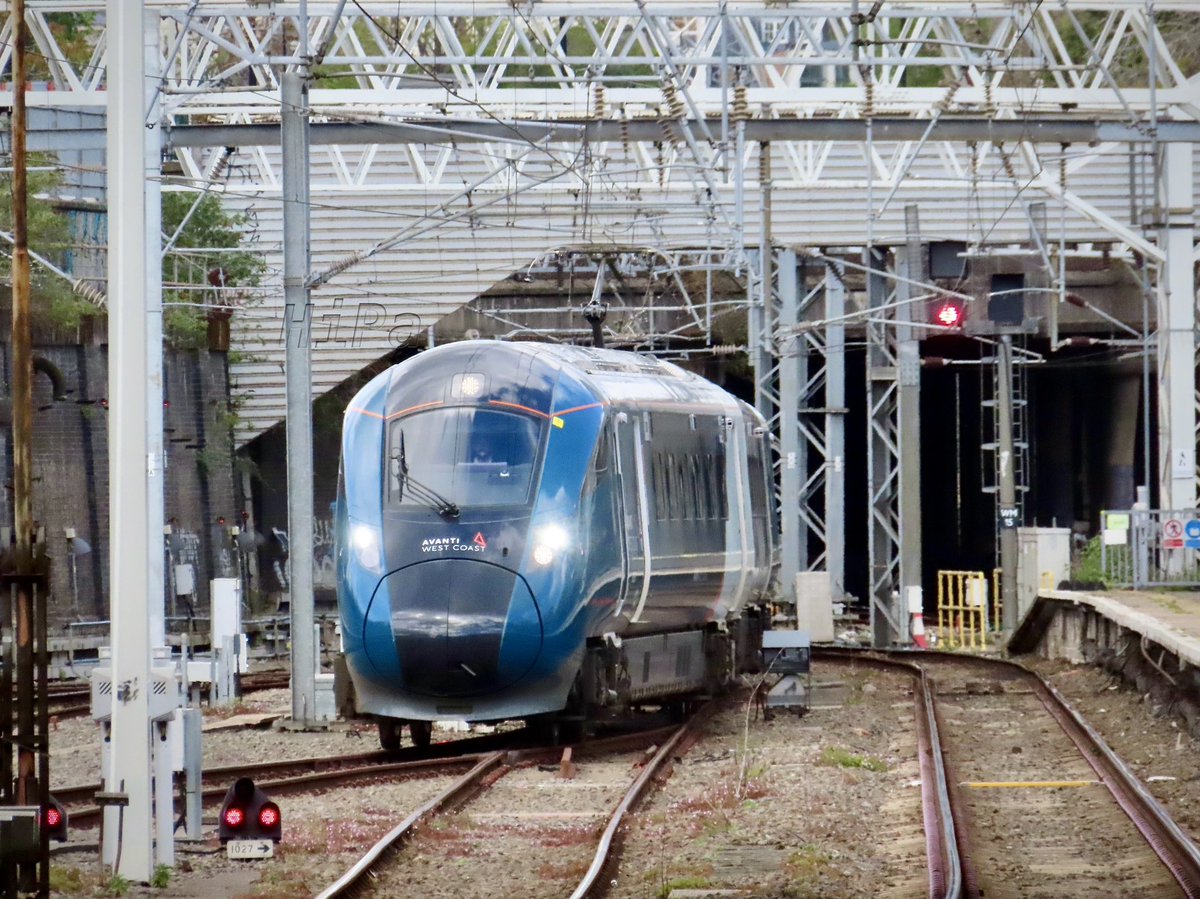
468 244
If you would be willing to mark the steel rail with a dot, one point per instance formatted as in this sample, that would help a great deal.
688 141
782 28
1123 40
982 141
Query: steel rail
1174 848
632 795
305 782
353 879
945 848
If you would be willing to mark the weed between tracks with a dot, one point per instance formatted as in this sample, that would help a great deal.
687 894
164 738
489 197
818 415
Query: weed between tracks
835 756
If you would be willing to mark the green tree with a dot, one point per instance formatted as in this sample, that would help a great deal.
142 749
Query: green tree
199 260
49 230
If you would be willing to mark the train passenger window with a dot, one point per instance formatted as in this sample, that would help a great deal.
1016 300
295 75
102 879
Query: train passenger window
687 474
694 481
672 488
658 486
466 456
717 486
706 489
603 451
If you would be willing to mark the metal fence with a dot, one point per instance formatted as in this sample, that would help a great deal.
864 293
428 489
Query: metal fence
1150 547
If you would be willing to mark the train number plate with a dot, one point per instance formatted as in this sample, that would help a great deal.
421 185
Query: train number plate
249 849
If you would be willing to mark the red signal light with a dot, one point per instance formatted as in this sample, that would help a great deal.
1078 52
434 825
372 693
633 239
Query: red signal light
268 815
948 313
53 817
234 816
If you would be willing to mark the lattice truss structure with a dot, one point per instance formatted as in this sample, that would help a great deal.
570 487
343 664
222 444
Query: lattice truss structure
457 144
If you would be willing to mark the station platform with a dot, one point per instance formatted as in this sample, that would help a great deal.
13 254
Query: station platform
1149 637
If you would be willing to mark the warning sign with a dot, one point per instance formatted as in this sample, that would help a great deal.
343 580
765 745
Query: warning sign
1172 531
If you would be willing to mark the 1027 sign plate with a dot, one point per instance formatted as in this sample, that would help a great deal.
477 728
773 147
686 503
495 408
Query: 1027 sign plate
249 849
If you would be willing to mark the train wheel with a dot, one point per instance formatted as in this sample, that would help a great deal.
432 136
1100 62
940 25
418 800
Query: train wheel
422 733
389 734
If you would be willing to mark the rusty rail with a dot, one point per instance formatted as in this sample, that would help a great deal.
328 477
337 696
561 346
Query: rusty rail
1173 847
945 844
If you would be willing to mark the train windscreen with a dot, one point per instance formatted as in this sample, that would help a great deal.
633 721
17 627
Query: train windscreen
465 456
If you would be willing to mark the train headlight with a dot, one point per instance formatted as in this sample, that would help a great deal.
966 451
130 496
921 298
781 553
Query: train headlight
548 541
365 540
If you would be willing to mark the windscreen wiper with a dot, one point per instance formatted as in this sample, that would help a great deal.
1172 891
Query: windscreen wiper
423 493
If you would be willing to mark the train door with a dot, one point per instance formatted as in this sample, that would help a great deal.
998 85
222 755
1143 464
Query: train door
631 470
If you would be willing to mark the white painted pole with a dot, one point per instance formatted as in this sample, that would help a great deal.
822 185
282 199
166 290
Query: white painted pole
298 378
128 440
152 179
1176 334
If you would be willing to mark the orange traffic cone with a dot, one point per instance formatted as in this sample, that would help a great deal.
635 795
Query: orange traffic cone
918 630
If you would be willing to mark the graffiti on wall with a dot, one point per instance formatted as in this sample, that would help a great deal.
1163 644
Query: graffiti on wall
324 564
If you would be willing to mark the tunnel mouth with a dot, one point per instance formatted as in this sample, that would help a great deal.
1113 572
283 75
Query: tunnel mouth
461 627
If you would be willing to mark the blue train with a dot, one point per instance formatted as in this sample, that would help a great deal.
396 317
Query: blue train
529 530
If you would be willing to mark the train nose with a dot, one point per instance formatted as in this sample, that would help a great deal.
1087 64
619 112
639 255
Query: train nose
462 627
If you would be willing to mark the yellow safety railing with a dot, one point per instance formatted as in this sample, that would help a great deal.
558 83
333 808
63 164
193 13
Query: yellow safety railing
962 609
997 601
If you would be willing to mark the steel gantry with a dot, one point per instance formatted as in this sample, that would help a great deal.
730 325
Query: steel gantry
459 143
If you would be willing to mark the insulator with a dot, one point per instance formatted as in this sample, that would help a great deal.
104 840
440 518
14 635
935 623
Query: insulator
943 105
90 292
674 101
741 106
625 133
599 101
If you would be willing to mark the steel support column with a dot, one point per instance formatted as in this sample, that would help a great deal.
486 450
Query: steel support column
298 373
1176 333
883 458
835 430
793 449
130 462
908 364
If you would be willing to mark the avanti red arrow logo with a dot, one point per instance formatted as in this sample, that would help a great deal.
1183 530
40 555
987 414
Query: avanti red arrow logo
480 541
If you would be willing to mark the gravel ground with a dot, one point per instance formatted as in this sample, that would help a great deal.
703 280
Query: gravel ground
75 742
821 806
1146 735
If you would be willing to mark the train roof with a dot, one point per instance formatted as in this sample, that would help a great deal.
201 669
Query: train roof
621 376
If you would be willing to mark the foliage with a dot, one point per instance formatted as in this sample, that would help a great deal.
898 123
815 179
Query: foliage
683 883
837 757
1087 566
807 861
74 32
196 253
161 877
116 886
65 880
49 235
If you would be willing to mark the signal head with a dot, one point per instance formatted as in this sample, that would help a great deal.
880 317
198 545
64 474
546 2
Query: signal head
949 312
56 821
248 813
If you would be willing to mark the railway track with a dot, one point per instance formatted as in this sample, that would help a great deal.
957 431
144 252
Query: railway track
1037 799
73 700
589 802
317 772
